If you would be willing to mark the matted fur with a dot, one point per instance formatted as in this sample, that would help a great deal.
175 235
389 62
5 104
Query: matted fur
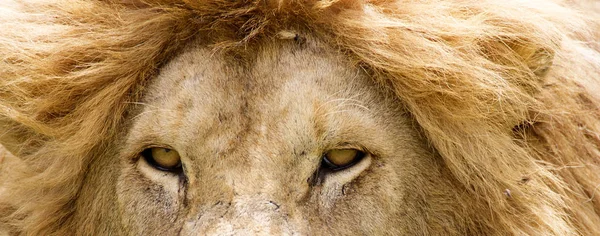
522 75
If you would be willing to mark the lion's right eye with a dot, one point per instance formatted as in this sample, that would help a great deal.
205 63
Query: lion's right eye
163 159
339 159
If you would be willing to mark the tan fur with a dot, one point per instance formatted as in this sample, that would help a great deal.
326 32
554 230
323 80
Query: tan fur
481 117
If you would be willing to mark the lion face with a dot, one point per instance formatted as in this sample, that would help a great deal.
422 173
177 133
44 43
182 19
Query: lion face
297 141
345 117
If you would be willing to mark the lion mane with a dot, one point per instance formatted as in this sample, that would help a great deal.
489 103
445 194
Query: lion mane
507 92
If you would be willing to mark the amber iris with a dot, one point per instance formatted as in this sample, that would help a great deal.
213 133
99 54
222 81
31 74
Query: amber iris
338 159
164 159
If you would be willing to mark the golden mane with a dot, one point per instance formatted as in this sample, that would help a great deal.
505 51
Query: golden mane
507 93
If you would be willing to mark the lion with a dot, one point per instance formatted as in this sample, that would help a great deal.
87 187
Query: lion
317 117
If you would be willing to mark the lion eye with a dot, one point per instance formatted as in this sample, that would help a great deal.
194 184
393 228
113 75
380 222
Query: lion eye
339 159
163 159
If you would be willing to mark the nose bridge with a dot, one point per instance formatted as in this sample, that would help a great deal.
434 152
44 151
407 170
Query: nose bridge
244 199
246 214
259 212
242 192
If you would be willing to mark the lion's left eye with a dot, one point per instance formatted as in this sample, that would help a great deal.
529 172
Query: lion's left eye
339 159
163 159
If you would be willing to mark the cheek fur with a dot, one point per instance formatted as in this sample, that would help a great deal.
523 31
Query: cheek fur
147 205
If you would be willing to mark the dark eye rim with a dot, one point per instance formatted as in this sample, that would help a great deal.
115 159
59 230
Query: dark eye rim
333 167
147 155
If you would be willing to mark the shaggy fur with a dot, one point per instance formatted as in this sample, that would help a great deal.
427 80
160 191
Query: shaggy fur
506 92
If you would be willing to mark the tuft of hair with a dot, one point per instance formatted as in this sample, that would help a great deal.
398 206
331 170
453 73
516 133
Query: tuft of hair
507 91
